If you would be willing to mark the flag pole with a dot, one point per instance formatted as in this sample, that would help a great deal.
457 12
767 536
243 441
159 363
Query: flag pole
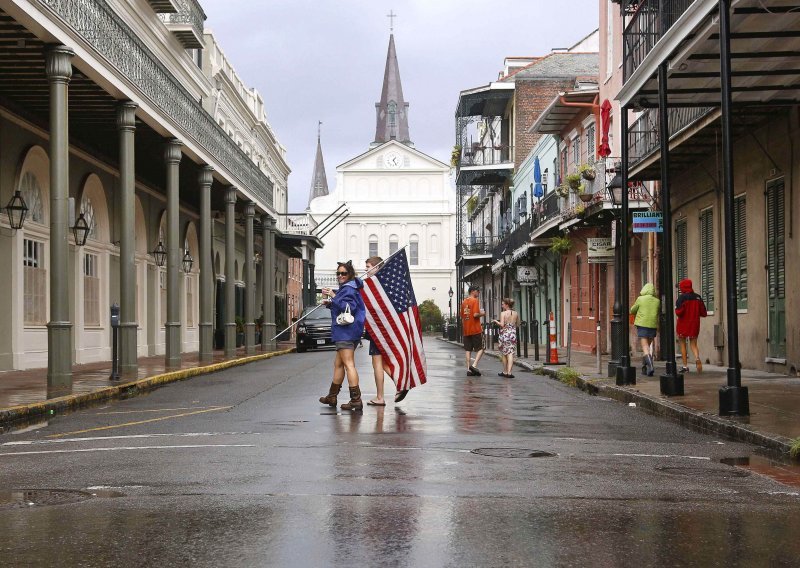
323 303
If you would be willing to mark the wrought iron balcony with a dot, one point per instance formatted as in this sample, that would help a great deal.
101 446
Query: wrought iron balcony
650 20
546 210
513 240
104 32
643 135
187 23
477 155
476 246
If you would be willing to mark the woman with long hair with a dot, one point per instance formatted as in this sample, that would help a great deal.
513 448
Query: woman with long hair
508 322
347 327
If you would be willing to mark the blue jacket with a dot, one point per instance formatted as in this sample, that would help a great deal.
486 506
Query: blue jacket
348 295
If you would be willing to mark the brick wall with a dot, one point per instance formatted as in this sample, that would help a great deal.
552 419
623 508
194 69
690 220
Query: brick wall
531 98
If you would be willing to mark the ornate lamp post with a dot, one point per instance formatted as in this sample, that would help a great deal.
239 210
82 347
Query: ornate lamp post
615 190
159 254
81 230
187 262
17 209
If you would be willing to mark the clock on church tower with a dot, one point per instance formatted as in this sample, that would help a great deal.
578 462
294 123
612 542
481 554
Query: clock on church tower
393 160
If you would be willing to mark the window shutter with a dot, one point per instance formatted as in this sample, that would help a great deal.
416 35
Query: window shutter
740 241
707 258
680 251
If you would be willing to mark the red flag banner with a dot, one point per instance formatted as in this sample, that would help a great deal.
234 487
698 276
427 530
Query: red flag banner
393 321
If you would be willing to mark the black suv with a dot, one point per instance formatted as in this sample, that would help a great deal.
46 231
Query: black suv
315 330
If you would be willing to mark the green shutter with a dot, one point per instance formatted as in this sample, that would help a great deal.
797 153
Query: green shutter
740 241
776 269
681 265
707 257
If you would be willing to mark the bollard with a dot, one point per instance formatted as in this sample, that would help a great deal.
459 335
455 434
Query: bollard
599 368
525 339
535 334
114 339
519 342
569 343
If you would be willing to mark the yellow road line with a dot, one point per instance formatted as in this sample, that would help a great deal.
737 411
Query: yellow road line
139 422
154 410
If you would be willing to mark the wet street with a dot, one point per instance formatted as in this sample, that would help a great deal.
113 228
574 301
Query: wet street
246 468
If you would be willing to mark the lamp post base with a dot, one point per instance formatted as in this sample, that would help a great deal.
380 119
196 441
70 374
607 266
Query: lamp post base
626 375
734 401
672 384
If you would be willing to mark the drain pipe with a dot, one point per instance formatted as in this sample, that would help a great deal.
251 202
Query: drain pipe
594 105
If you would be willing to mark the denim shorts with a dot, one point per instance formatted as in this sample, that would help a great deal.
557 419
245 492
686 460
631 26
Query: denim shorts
346 345
373 350
645 331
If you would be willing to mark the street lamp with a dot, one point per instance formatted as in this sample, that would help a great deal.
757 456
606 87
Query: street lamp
81 230
17 209
450 302
159 254
187 262
508 255
615 191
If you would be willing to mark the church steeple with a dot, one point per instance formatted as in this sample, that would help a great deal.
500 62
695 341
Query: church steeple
392 110
319 181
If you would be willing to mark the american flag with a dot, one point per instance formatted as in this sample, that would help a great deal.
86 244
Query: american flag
393 321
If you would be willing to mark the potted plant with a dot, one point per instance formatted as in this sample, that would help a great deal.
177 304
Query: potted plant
580 208
455 157
472 203
586 196
587 172
573 181
560 245
562 190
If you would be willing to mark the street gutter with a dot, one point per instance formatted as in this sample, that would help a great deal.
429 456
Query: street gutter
35 411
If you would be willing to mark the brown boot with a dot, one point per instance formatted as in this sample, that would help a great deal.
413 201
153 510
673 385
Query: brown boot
330 399
355 400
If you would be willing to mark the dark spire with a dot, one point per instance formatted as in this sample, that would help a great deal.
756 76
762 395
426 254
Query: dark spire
392 111
319 181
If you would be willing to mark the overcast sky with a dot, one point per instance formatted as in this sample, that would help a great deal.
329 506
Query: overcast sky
324 59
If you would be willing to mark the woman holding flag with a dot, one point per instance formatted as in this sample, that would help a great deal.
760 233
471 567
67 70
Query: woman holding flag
347 327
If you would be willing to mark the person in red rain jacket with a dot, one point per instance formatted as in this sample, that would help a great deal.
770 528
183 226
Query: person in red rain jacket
689 308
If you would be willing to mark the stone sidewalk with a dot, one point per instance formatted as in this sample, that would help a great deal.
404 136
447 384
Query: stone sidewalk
774 420
24 396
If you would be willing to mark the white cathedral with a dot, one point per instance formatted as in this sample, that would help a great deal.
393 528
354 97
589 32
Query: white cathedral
395 196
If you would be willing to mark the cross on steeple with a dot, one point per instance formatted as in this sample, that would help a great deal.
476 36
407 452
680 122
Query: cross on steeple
391 15
319 129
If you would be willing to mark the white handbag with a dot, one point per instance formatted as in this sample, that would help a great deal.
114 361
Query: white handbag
345 318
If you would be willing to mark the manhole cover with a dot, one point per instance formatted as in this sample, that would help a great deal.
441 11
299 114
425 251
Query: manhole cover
24 498
512 453
703 472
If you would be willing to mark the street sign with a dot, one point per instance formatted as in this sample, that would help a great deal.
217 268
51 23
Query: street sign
527 275
648 222
601 250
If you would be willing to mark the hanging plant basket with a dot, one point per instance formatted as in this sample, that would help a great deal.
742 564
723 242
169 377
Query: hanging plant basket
587 172
586 197
573 181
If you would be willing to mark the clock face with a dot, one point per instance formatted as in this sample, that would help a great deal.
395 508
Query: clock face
393 160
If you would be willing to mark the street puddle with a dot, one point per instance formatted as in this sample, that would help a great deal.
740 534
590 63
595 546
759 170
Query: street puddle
782 472
25 498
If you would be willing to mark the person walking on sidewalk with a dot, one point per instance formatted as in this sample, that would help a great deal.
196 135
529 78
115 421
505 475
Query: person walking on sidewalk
689 308
347 327
646 308
471 314
508 322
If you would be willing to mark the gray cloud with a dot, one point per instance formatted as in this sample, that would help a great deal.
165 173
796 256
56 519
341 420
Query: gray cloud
324 59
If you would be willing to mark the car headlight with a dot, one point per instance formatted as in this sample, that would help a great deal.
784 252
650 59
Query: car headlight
301 329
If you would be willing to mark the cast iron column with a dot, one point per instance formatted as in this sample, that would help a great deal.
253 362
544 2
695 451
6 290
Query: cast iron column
230 275
671 380
128 328
268 330
733 398
249 281
626 375
58 67
616 320
205 180
172 157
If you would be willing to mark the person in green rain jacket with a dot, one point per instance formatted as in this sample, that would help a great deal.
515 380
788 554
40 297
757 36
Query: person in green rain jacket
647 308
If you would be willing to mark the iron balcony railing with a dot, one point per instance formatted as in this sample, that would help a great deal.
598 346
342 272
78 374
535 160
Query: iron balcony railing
512 241
473 246
643 135
189 12
105 32
477 155
298 224
547 209
650 20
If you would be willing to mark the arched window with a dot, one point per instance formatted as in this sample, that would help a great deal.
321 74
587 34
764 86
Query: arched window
392 107
373 245
88 213
413 250
32 194
393 244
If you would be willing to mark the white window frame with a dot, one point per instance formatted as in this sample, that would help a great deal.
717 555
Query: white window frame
91 289
35 280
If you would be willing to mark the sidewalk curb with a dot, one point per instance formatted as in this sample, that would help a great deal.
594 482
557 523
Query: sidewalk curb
63 404
674 411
